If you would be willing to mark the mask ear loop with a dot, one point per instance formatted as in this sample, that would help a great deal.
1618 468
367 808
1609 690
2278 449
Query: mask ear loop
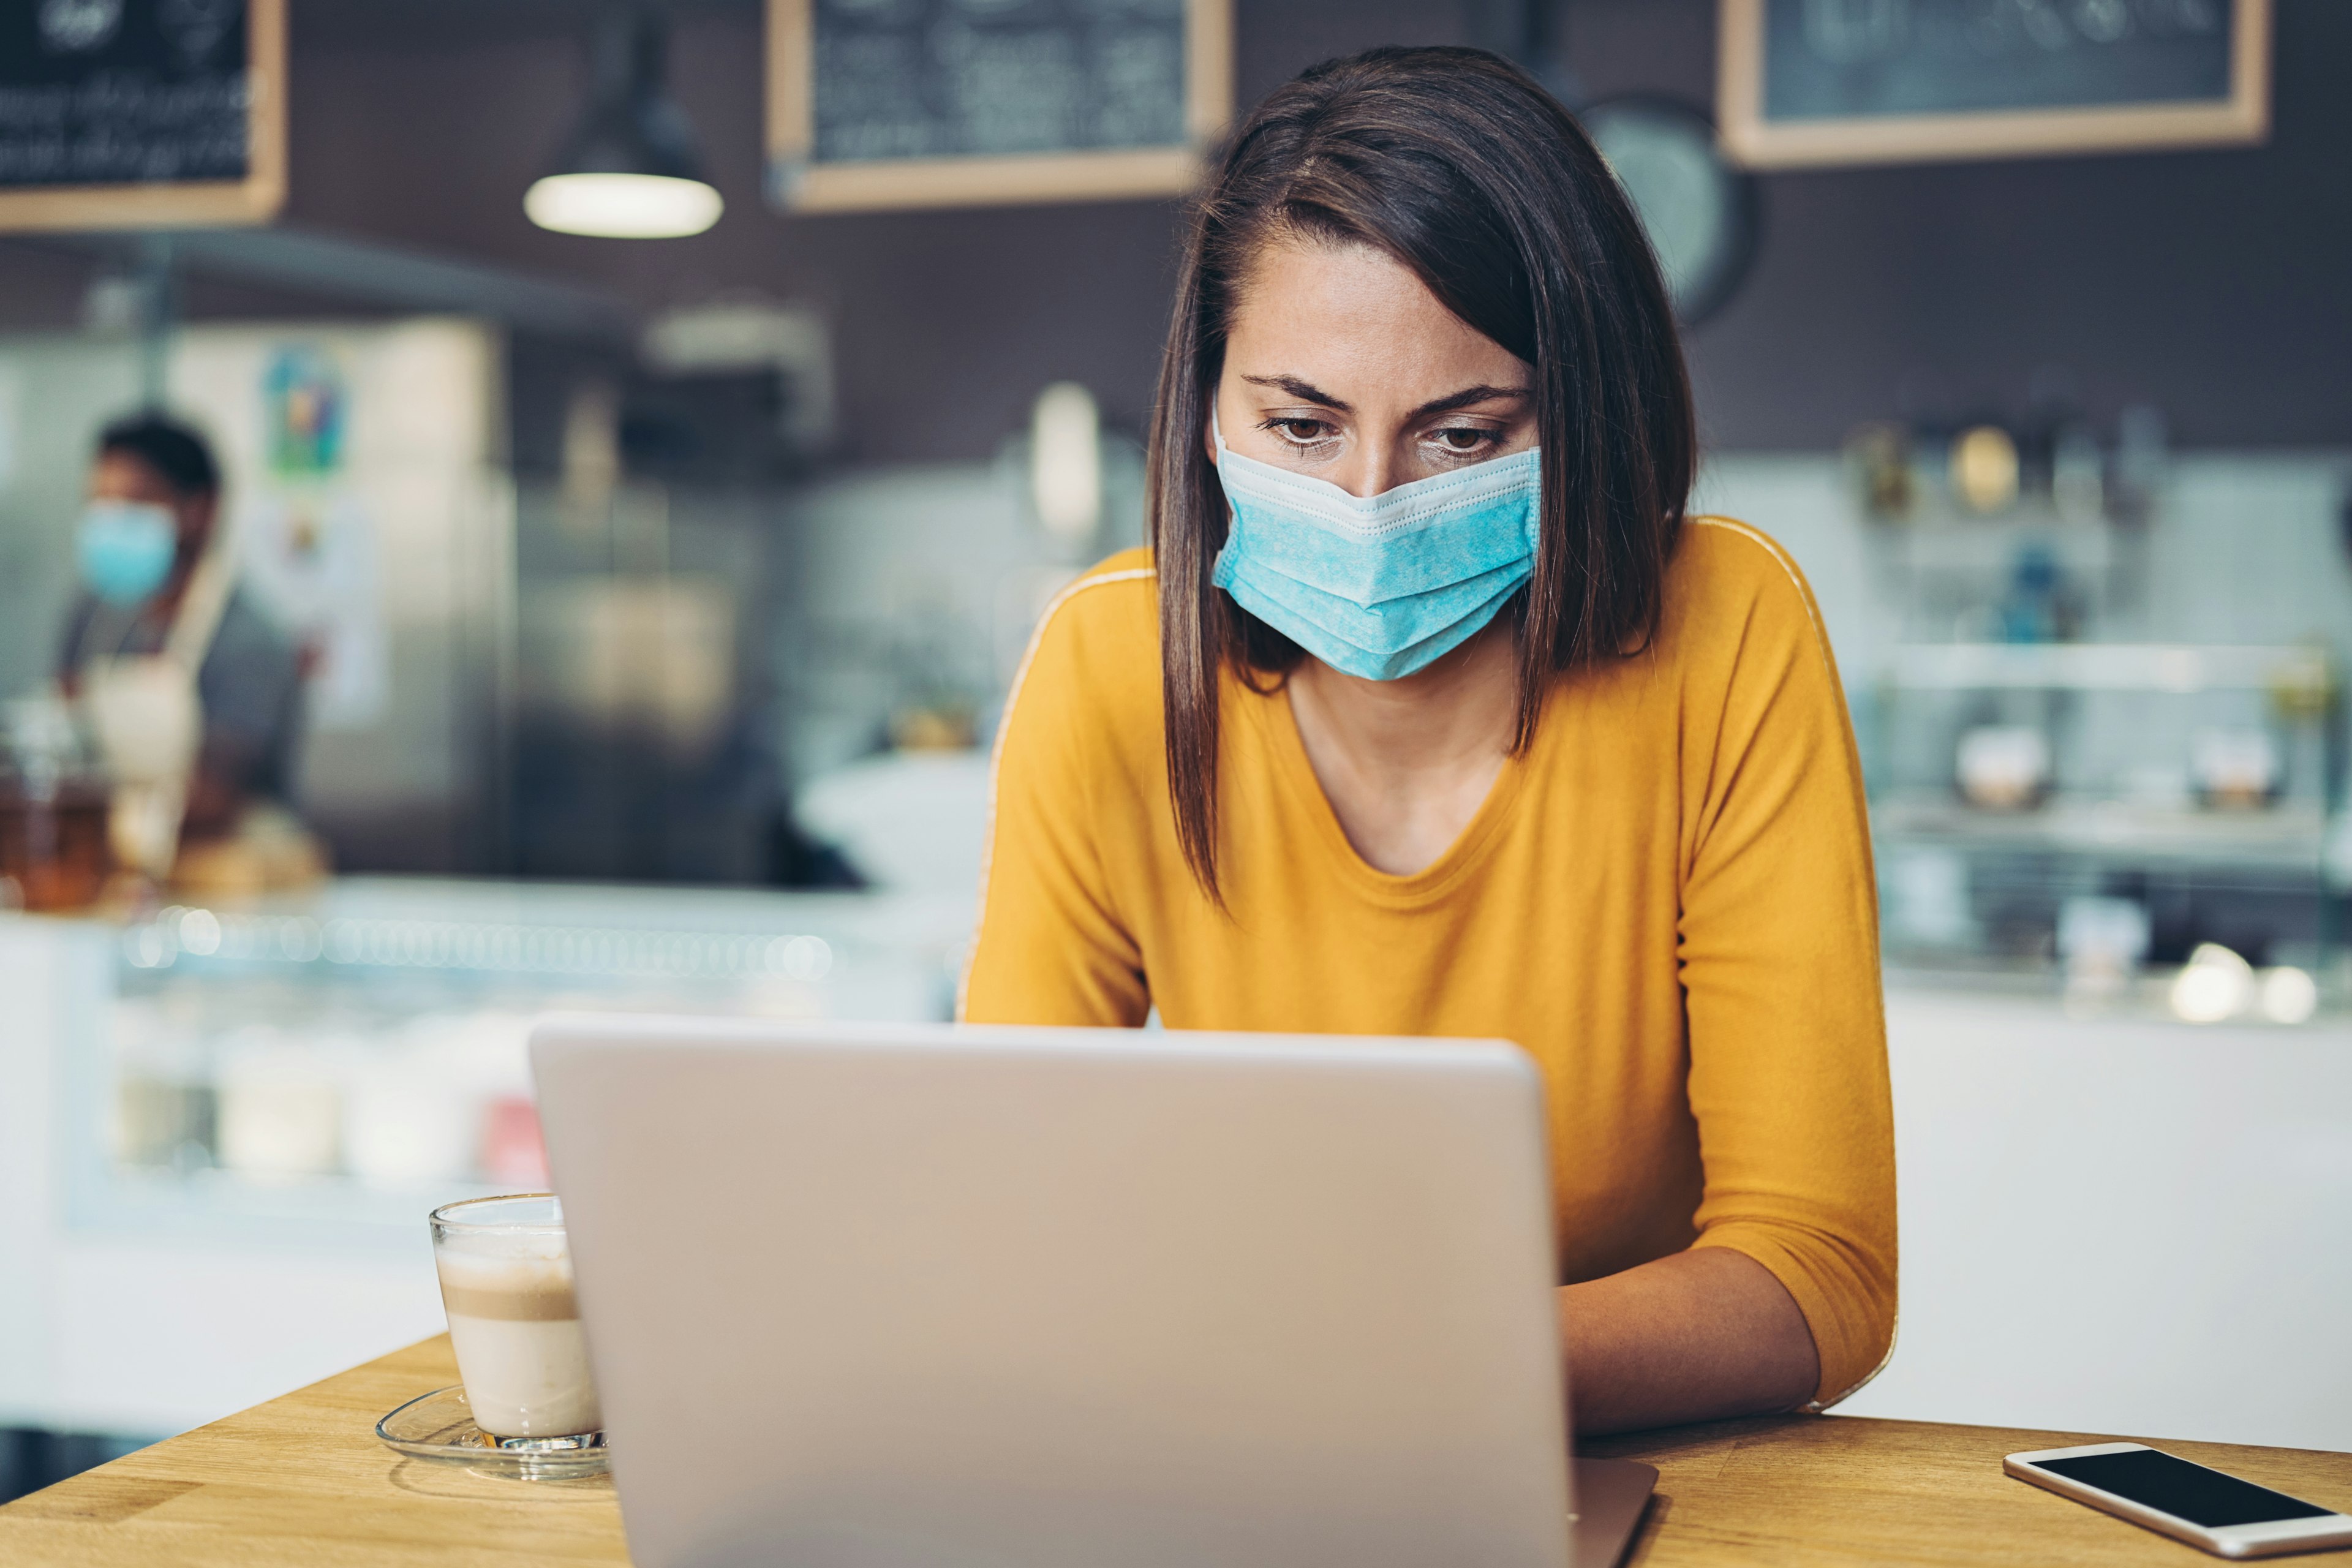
1232 513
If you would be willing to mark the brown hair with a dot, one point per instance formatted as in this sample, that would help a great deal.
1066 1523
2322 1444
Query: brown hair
1454 162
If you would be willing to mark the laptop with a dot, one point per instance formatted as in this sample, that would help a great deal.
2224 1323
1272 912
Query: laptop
905 1296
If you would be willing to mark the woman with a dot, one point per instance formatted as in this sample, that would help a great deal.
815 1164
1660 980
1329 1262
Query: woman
1430 712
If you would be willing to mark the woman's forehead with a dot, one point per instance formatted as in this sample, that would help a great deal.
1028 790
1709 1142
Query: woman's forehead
1331 311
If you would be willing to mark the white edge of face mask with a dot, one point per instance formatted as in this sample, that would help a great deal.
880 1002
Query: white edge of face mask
1364 513
1400 508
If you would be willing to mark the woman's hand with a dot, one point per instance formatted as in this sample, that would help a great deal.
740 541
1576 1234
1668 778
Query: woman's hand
1695 1336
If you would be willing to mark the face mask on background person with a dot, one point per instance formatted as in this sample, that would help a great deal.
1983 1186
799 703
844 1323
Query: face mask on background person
125 549
1378 586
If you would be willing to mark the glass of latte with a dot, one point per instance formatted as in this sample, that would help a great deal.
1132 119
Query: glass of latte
514 1321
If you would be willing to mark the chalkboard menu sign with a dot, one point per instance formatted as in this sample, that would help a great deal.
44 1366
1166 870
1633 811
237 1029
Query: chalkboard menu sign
1870 81
133 113
907 103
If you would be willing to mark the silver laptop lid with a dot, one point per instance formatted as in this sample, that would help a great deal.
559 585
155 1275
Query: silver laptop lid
897 1295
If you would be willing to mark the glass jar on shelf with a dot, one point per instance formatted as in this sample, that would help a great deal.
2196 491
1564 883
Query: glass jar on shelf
2035 803
53 854
342 1055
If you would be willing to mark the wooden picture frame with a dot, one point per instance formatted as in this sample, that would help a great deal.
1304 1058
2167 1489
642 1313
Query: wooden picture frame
1752 139
799 183
255 199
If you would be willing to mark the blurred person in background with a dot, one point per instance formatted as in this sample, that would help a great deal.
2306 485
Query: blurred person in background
1432 711
193 695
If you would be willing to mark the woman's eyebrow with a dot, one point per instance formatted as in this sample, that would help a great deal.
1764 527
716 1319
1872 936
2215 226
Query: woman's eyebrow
1305 391
1465 398
1308 391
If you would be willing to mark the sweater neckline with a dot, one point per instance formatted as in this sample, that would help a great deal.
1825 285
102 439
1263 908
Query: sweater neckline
1469 849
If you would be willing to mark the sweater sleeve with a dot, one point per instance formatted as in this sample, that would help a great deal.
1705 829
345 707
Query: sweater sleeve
1051 947
1779 952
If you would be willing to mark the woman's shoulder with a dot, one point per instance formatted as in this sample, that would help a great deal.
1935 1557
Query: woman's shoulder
1731 584
1097 643
1112 589
1719 555
1109 611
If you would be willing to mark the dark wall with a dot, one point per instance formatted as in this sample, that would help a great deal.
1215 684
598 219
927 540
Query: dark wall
948 323
2214 284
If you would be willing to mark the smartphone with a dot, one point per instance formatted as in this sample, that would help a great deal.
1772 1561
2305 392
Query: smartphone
2203 1507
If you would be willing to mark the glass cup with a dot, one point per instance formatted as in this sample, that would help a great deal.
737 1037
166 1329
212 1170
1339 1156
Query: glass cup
514 1321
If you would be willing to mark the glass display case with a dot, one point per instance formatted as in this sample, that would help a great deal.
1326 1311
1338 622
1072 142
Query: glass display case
2062 798
222 1125
340 1062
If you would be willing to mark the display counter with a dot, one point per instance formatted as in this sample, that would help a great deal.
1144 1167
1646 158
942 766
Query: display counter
221 1130
2112 1219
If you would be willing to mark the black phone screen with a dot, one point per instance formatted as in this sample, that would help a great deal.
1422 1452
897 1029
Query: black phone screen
2184 1490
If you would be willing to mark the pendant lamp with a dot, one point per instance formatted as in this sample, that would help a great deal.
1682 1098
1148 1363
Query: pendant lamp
630 169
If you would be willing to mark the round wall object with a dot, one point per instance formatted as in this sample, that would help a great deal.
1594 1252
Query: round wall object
1701 214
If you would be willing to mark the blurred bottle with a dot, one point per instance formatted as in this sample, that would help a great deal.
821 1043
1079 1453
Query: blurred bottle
166 1106
2102 941
2078 474
2234 770
1984 470
2143 462
2003 767
2051 406
280 1104
513 1151
53 810
2041 606
1878 466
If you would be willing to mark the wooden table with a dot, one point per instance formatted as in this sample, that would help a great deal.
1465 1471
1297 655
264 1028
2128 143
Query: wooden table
302 1482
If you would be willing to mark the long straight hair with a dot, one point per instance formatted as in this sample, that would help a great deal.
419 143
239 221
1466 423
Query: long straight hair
1457 164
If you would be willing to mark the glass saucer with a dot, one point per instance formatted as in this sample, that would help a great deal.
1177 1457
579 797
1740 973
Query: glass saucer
439 1427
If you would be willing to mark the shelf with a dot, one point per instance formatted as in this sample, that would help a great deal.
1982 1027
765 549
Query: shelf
368 997
1963 544
2147 996
2174 668
2282 839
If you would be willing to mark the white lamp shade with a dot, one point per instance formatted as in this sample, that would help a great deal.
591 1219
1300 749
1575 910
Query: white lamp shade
623 207
1065 461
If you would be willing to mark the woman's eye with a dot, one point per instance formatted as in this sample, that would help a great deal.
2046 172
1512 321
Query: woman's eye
1463 441
1300 432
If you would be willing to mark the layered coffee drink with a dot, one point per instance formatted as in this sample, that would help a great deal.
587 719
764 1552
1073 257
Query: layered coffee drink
514 1320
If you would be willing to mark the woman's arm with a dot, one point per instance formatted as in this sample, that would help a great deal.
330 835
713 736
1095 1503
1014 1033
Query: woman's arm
1051 947
1785 1029
1690 1337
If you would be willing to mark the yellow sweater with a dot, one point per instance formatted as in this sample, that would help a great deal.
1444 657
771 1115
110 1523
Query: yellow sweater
1667 902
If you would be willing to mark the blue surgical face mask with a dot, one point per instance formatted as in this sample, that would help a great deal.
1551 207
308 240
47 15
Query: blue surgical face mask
125 549
1378 587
